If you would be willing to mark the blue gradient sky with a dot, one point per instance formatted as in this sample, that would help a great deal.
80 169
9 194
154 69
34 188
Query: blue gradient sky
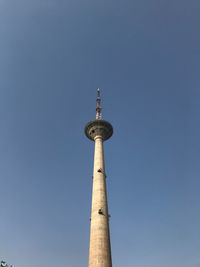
145 55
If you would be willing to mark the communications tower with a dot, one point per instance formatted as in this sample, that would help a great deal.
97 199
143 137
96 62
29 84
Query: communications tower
99 131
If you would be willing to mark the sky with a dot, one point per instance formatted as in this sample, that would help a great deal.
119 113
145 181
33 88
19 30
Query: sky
145 57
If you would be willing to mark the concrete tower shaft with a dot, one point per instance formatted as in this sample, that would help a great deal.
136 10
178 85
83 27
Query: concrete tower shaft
100 250
99 247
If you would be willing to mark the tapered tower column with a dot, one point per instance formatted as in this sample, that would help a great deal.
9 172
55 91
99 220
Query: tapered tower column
99 248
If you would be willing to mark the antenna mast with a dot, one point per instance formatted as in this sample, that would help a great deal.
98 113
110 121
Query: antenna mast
98 106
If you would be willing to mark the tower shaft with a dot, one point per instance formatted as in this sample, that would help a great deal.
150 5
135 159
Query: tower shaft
100 249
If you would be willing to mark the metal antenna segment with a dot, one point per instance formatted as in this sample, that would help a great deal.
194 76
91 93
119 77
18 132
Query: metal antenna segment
98 106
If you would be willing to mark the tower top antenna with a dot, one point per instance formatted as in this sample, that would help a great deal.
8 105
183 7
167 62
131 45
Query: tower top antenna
98 106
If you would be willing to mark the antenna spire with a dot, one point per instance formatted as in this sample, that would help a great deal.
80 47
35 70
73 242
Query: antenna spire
98 106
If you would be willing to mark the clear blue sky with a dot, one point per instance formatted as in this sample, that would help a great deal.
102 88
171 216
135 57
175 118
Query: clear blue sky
145 56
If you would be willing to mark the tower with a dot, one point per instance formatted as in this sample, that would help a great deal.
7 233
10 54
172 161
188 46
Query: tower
98 131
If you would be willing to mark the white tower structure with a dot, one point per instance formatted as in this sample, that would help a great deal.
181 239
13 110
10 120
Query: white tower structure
98 131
